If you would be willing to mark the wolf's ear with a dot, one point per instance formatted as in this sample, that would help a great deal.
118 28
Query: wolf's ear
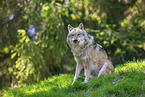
70 28
81 26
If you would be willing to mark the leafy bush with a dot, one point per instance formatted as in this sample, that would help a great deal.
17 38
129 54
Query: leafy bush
26 52
37 59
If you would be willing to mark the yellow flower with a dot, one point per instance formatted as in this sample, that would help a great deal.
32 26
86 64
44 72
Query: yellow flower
80 5
105 42
122 24
99 21
19 81
6 50
10 69
17 77
101 33
112 41
73 16
46 8
14 73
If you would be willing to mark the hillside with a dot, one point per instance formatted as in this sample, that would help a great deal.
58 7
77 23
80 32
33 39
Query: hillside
128 80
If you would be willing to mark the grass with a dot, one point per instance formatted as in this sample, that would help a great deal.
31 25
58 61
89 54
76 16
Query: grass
139 65
128 80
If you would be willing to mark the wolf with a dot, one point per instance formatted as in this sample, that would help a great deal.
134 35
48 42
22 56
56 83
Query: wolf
88 54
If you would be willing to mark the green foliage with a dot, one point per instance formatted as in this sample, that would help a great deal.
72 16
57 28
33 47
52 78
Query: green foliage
118 25
53 36
34 59
121 45
129 83
26 52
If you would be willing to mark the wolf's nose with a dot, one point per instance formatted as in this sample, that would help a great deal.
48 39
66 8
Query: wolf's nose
75 41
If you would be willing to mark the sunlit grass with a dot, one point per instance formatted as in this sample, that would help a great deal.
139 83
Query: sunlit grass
139 65
121 84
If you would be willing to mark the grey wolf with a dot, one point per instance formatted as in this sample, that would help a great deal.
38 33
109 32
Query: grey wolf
88 54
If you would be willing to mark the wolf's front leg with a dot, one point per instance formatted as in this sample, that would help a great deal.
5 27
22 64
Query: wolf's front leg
103 70
87 73
78 70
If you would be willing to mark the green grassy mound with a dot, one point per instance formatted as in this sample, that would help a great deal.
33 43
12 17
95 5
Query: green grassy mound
125 82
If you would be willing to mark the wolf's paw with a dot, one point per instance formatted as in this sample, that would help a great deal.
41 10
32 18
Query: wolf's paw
73 82
85 82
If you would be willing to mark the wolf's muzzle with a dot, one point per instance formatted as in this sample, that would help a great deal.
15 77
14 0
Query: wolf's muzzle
75 41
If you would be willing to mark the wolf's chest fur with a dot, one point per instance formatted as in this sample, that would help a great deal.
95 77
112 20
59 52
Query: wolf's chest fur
81 53
90 52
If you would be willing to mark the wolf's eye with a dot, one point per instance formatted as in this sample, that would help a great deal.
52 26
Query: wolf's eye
71 35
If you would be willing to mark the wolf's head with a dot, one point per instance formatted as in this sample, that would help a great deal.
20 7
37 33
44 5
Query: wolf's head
78 36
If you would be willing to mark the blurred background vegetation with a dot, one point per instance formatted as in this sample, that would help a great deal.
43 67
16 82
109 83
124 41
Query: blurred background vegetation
33 35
